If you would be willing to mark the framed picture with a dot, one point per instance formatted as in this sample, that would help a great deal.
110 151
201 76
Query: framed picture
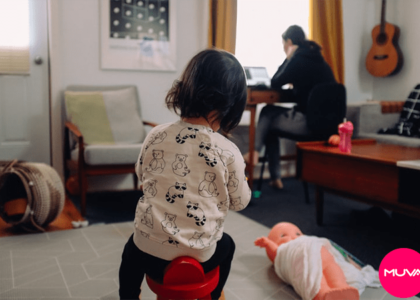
138 35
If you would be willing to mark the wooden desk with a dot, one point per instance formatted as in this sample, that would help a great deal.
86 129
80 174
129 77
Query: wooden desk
368 174
255 97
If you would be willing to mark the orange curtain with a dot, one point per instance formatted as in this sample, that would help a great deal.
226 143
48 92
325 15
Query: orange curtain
222 27
326 28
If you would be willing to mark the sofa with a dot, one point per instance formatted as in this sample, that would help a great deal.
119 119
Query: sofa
369 117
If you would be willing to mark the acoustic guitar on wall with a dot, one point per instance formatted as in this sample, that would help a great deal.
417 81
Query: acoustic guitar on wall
384 57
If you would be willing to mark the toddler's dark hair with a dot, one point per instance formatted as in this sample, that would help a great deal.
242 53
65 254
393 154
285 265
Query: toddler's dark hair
213 80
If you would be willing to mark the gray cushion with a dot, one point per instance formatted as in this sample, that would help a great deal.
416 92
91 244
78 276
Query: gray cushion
110 154
372 119
392 139
106 116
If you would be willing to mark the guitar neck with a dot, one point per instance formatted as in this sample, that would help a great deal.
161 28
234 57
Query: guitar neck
383 16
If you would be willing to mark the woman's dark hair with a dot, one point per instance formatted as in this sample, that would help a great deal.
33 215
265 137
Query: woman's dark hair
296 34
213 80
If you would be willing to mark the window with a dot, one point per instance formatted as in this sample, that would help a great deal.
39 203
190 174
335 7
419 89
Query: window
260 25
14 37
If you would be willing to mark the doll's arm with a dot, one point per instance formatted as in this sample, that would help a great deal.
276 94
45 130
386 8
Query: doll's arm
269 245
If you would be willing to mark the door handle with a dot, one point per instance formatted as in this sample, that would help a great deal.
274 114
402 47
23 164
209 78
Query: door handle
38 60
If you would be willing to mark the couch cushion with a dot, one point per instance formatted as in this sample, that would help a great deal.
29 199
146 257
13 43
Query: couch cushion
392 139
371 118
110 154
87 111
106 117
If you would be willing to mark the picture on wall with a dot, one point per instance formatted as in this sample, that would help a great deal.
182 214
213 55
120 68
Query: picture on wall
138 35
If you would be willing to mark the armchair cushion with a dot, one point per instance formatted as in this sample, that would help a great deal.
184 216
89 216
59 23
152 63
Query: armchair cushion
109 154
106 117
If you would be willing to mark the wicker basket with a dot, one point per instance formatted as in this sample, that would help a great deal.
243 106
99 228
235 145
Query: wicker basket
31 194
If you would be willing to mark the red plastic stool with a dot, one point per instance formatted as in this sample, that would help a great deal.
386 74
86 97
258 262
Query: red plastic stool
185 279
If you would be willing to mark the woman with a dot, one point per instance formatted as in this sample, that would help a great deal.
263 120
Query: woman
303 68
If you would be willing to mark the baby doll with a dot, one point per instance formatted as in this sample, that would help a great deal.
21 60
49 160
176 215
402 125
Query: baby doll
306 263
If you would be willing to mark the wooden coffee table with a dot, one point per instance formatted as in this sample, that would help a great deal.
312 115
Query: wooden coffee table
368 174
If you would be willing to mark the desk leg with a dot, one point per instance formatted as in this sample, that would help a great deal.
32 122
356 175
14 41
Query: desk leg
252 109
319 198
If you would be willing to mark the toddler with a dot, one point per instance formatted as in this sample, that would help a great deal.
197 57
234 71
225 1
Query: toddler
191 176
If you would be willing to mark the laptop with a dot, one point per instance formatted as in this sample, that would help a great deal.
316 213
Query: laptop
257 77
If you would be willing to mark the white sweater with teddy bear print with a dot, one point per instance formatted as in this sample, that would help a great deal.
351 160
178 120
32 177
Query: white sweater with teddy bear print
191 177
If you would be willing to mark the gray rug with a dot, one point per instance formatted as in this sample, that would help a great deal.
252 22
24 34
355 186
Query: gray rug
83 264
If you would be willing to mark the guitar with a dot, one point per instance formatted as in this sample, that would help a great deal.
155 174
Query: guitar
384 57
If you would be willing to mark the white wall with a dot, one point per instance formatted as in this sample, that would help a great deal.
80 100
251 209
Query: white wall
359 18
404 14
357 23
75 59
75 55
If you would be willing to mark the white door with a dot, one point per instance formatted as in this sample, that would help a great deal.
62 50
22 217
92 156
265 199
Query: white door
24 99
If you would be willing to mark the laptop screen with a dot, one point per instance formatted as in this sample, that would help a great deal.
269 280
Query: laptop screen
257 76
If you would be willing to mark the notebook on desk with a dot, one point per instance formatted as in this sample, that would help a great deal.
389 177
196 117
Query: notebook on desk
257 77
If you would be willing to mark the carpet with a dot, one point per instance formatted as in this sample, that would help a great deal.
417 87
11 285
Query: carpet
83 264
369 233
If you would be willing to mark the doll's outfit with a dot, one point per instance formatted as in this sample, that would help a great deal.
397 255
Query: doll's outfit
191 176
298 263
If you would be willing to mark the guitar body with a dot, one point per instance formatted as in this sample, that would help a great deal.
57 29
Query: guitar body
384 57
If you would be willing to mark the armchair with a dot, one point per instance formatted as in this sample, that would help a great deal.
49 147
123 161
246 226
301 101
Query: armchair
103 134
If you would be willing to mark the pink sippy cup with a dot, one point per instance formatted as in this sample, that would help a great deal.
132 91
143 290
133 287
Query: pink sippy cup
345 130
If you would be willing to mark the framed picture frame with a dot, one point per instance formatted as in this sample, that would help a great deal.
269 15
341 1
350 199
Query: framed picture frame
138 35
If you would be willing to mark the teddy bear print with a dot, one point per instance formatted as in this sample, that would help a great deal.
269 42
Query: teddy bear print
208 154
145 234
207 187
223 206
175 191
197 213
217 233
233 182
156 139
225 156
147 218
203 137
185 133
157 164
171 242
149 188
168 224
209 130
232 144
195 241
235 204
179 166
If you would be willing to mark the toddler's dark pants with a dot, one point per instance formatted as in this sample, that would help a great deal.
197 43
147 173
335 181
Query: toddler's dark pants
135 264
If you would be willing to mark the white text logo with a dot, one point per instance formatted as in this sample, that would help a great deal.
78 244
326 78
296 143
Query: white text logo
394 272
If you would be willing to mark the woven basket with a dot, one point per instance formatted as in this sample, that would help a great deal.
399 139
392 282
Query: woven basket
35 184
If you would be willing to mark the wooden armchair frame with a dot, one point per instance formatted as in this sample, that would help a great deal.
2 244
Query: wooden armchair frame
84 170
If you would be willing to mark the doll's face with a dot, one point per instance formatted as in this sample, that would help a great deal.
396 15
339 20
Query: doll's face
284 232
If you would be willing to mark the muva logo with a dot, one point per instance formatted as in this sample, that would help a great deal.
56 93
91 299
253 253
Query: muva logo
399 273
394 272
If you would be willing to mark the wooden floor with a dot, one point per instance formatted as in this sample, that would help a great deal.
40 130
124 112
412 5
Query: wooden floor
63 222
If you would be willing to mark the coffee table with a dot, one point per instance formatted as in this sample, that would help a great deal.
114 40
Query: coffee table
368 174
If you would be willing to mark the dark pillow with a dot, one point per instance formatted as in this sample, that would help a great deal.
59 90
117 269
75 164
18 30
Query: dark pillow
409 122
